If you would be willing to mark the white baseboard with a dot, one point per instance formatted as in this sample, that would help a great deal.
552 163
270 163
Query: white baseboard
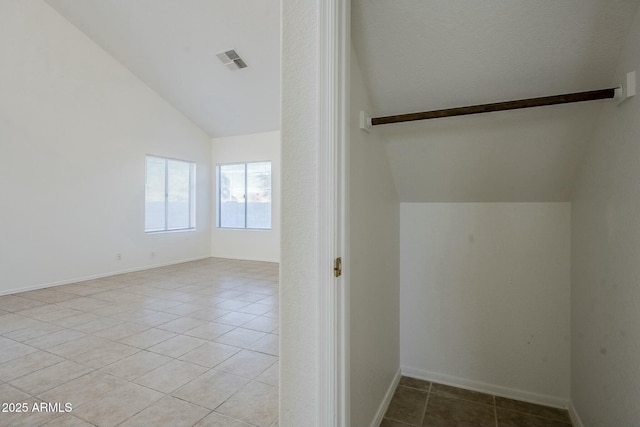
97 276
510 393
387 399
575 418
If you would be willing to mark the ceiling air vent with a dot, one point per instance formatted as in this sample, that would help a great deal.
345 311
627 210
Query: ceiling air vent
232 60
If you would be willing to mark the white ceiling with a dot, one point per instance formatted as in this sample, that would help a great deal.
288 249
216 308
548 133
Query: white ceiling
171 45
422 55
417 55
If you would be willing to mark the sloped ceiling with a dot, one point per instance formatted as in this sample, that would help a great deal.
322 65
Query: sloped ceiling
423 55
172 44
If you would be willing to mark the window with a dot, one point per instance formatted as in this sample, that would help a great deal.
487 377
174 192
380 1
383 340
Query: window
244 195
169 195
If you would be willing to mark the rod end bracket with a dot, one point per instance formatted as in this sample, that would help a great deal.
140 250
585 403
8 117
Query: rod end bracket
627 89
365 122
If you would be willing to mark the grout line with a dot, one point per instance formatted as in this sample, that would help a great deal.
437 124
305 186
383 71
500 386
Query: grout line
426 403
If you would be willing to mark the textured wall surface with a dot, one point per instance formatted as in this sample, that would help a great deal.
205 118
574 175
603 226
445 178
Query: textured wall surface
605 295
485 296
374 275
75 126
299 273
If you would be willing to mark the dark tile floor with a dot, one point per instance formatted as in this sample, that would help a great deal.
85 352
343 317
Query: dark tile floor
420 403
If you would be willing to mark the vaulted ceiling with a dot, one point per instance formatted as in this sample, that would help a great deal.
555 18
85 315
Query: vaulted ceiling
416 55
421 55
171 45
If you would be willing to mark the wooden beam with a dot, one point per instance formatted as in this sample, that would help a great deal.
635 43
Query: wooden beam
498 106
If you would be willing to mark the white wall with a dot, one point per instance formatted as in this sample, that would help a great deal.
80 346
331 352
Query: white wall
299 283
485 296
374 271
255 245
605 368
75 126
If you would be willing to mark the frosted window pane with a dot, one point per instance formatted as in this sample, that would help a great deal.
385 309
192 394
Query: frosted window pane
178 195
232 196
259 195
154 194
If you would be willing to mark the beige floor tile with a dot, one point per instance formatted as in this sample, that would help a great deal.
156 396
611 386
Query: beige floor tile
105 355
13 322
98 325
161 304
181 325
114 407
209 314
89 304
136 365
219 420
210 354
6 342
271 376
79 289
78 346
182 309
168 412
250 297
209 330
39 311
51 340
211 389
131 327
14 351
275 313
13 303
47 378
247 363
258 309
147 338
235 318
269 344
171 376
83 389
77 319
157 318
232 305
34 331
177 346
27 364
256 404
67 420
113 310
61 313
12 394
240 337
262 324
49 295
121 331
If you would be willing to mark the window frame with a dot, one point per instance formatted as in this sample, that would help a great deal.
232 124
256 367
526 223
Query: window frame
219 196
192 195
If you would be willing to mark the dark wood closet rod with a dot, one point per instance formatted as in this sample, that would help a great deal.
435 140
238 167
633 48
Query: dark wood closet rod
498 106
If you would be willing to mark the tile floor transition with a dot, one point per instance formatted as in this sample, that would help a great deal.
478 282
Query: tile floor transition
194 344
423 404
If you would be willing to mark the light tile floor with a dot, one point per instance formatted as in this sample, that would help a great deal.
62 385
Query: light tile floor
195 344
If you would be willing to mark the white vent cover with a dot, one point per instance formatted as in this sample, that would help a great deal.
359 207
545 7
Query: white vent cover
232 60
